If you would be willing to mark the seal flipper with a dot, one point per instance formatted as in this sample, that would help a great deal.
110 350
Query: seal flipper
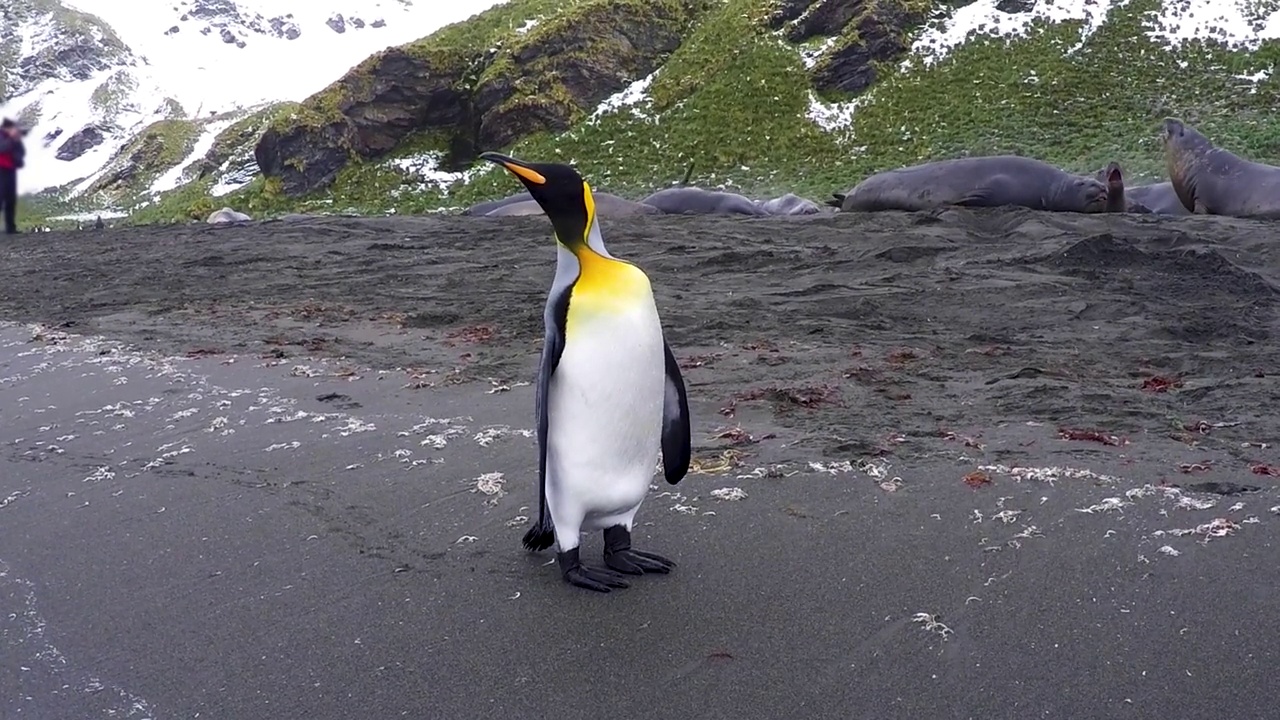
543 534
838 202
1139 208
676 433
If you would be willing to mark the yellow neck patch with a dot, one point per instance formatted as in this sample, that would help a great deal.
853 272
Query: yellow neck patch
605 286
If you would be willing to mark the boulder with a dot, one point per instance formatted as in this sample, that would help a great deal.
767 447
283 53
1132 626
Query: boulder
84 140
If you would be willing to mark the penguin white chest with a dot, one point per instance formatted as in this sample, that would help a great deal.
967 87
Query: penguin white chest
605 413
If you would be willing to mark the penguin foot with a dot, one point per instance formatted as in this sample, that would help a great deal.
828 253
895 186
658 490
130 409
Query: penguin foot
619 556
598 579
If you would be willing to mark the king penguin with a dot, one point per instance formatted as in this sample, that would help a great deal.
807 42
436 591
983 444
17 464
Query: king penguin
609 391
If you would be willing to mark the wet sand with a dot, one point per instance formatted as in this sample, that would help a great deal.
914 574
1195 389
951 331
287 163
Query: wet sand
965 464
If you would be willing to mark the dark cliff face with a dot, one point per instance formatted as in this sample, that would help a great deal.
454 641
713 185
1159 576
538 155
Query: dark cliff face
543 81
370 111
880 28
571 66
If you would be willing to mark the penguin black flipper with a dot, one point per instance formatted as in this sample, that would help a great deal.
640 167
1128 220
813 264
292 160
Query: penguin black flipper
543 534
676 433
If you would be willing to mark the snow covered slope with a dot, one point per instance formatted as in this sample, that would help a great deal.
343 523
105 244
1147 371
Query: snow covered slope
90 75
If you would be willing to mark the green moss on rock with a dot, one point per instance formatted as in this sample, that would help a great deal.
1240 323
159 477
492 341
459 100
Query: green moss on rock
487 83
160 147
234 145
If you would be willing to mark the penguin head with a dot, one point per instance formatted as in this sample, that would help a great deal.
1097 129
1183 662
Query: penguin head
561 193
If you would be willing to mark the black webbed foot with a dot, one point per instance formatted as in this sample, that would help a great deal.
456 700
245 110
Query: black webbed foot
598 579
619 556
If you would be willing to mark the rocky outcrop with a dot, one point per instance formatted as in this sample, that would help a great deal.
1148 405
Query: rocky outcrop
381 102
282 28
872 32
234 23
159 147
805 19
73 46
84 140
1013 7
545 80
233 147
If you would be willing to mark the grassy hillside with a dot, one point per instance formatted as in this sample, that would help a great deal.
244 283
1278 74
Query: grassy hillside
737 100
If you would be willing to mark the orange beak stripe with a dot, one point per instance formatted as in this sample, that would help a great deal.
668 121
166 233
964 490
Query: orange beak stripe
532 176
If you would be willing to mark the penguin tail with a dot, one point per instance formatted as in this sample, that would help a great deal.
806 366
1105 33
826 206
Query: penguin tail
542 535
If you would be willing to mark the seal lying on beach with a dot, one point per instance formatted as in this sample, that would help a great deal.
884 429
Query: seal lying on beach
1159 198
227 215
976 182
1210 180
698 201
488 206
516 209
790 204
606 206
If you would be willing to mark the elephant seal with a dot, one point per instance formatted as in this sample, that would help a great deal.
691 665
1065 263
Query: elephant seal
608 206
1210 180
1117 198
698 201
1114 179
989 181
516 209
790 204
1159 198
227 215
488 206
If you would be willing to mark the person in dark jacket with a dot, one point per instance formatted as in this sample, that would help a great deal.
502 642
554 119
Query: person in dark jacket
12 157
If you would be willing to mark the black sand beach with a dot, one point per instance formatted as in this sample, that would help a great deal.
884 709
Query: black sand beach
991 464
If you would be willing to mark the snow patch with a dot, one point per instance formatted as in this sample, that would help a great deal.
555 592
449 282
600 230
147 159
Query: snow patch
173 178
832 116
426 168
1232 22
632 96
811 55
89 216
982 18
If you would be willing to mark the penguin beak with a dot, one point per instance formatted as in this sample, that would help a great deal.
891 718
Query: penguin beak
515 167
